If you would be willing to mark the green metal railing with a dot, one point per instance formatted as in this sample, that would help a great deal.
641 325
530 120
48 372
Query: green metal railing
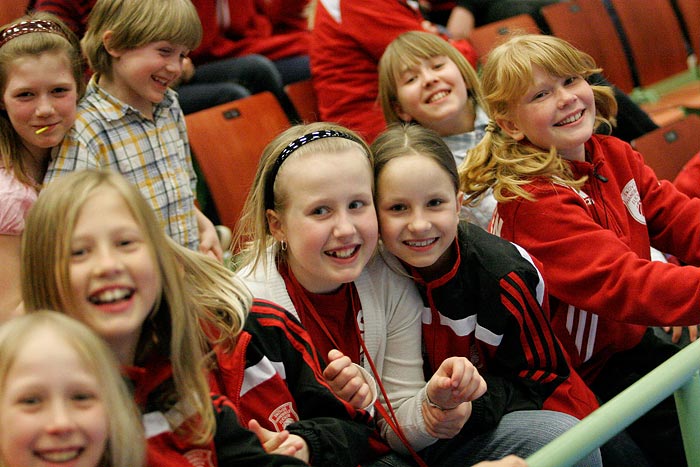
679 375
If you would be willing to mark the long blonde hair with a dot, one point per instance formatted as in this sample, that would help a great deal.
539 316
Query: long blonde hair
218 295
171 326
501 161
126 446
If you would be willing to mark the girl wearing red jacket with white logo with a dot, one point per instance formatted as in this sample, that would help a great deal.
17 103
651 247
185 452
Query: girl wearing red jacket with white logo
588 208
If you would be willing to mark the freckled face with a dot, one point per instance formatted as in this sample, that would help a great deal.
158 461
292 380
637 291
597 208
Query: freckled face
555 111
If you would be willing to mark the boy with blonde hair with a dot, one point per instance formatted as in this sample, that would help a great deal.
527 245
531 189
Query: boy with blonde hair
130 121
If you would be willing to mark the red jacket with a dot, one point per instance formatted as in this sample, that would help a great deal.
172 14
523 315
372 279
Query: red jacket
492 308
232 444
274 28
348 39
273 375
595 246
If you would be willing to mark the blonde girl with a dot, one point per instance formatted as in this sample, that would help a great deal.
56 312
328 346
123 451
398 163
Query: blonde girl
134 300
62 397
588 208
40 83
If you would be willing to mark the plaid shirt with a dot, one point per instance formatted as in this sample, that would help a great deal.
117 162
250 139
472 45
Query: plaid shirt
152 154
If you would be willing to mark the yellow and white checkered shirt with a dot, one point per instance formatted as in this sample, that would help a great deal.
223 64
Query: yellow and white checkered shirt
152 154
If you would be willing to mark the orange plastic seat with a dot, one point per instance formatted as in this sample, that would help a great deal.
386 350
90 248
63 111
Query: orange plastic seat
303 97
587 25
227 141
486 37
669 148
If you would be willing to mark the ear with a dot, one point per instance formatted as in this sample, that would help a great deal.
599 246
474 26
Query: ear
106 39
405 117
510 128
460 201
275 224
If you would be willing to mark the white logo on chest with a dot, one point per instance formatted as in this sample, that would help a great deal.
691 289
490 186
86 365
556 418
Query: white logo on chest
633 202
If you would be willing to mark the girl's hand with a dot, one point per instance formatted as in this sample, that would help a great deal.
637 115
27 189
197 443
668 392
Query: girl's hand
449 394
208 239
346 380
456 381
677 333
280 443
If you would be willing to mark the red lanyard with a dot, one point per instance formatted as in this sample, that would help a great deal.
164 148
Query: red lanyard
390 416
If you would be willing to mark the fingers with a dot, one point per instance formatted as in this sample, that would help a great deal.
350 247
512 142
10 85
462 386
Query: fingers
456 381
676 334
693 333
445 424
346 380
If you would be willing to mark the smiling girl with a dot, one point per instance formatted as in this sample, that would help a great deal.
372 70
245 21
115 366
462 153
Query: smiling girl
63 399
486 297
588 208
40 83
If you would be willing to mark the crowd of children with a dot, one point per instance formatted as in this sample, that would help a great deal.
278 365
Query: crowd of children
368 321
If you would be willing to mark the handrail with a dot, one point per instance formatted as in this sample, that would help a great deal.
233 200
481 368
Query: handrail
678 375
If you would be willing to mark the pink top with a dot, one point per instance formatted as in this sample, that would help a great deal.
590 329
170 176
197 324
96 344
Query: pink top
15 200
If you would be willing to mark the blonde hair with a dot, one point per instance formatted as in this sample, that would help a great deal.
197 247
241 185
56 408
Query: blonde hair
126 446
33 44
253 230
501 161
171 326
135 23
406 51
218 295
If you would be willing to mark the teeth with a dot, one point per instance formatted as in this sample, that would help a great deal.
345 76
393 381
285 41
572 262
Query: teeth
344 253
61 456
111 295
571 119
421 243
161 81
438 96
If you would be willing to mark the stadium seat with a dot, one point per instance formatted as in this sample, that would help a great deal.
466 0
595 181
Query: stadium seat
227 141
486 37
587 25
667 149
303 97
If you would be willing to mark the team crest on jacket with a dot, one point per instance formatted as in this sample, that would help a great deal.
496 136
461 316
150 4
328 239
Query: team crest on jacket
283 416
633 202
200 458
